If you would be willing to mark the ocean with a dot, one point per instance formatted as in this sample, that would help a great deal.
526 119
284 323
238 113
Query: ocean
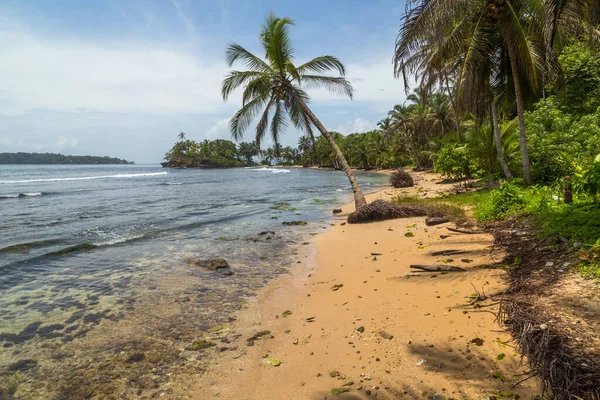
97 295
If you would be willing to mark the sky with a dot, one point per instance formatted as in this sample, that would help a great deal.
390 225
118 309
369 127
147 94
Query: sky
123 77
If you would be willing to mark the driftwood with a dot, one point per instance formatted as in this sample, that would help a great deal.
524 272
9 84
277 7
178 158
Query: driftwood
466 231
448 252
438 268
431 221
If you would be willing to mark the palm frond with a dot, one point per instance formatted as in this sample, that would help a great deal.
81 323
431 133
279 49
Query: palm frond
333 84
263 122
235 79
236 52
278 122
322 64
277 42
244 116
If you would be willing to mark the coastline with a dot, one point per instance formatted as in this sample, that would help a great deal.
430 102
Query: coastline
435 349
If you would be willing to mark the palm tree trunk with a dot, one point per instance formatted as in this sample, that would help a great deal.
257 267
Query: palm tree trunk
454 102
359 197
507 172
520 113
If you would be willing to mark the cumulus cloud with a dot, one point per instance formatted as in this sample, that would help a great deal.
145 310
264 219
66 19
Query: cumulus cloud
65 75
220 130
130 99
356 125
373 82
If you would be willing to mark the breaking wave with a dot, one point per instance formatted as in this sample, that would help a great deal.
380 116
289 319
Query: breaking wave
87 178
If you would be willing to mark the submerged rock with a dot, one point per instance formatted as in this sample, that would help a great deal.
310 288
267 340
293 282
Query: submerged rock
22 365
293 223
213 264
200 344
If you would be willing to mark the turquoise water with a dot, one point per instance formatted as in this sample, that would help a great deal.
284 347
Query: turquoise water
94 265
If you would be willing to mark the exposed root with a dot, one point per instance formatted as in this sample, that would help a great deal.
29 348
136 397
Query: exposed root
380 210
549 352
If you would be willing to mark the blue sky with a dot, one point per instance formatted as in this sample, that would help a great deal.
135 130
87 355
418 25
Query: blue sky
123 77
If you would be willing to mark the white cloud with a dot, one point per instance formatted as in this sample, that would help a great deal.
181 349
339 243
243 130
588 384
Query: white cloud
131 99
220 130
63 143
374 84
38 73
356 125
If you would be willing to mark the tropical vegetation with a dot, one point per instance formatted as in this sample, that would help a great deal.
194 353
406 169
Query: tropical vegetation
52 158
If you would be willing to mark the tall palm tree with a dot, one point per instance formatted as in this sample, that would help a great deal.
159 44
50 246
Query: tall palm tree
475 33
386 127
276 84
181 136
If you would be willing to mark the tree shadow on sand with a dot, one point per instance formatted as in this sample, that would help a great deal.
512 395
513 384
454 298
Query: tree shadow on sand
465 364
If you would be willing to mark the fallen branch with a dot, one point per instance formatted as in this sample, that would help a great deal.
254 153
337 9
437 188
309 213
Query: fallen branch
468 232
431 221
438 268
448 252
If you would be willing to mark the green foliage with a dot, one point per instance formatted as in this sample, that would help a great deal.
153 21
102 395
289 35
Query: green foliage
51 158
588 179
559 141
454 162
217 153
581 68
507 199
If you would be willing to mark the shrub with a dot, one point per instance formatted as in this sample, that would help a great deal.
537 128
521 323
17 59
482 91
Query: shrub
507 198
588 179
454 162
401 179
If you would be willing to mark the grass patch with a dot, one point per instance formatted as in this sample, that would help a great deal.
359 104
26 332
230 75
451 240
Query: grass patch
589 270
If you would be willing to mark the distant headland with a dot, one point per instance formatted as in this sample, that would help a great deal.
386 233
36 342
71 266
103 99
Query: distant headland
52 158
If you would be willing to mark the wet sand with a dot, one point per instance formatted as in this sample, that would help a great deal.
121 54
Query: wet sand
347 319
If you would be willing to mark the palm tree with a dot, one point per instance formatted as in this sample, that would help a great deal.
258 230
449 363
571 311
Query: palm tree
476 32
181 136
276 85
386 127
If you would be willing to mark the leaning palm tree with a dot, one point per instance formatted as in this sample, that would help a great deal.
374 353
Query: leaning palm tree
274 89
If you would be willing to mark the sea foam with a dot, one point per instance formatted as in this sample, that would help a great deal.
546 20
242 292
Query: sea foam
87 178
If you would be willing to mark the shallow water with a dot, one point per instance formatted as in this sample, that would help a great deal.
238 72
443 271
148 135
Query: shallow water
95 291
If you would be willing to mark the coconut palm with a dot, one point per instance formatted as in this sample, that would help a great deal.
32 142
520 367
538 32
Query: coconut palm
478 32
275 85
386 127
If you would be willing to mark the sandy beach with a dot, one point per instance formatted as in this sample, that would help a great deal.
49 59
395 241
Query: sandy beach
352 318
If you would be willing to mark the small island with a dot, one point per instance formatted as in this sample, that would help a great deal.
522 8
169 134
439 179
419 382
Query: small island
52 158
217 153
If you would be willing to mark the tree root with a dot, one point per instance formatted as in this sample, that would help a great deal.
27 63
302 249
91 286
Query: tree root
380 210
